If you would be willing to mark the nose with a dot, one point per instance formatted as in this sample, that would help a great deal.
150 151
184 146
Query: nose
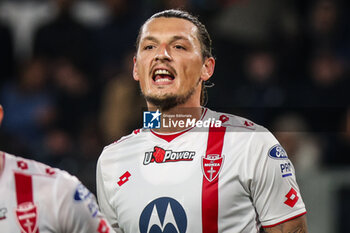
162 53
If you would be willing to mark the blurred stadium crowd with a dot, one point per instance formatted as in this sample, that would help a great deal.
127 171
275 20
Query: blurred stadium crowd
67 89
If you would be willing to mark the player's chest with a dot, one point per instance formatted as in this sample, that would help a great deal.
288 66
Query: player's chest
22 209
170 183
179 163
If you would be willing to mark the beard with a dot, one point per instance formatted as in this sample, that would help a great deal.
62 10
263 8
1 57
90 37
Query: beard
169 101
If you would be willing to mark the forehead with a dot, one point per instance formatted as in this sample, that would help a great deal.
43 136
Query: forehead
170 27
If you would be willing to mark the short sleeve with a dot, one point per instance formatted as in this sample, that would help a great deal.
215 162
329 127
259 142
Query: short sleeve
103 200
274 190
77 209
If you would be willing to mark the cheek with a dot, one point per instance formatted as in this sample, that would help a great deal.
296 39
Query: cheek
143 63
193 71
142 71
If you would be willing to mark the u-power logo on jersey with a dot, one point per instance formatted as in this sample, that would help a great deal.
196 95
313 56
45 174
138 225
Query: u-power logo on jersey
163 215
159 155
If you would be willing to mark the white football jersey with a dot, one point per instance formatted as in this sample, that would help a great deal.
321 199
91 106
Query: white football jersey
36 198
235 178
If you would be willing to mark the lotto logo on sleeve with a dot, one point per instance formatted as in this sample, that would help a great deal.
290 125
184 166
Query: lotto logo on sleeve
292 198
151 119
103 227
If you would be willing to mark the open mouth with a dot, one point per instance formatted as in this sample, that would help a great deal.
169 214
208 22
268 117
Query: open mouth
162 76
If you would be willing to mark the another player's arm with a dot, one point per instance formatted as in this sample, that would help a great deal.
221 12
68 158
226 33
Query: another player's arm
297 225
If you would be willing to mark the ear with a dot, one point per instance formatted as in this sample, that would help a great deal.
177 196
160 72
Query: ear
134 71
207 68
1 114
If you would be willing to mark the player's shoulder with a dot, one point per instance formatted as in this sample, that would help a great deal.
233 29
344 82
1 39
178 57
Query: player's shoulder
29 166
127 141
257 137
36 169
257 134
235 122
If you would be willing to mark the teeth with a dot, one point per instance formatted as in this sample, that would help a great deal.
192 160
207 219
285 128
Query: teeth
162 72
162 80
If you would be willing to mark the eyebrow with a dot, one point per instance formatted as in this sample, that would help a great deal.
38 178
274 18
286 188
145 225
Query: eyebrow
173 39
151 38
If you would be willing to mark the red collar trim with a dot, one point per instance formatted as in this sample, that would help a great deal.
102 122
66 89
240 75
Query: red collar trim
172 136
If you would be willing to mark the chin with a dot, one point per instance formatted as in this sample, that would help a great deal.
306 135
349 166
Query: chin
164 102
165 99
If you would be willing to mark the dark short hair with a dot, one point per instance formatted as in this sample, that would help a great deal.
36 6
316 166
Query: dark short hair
203 35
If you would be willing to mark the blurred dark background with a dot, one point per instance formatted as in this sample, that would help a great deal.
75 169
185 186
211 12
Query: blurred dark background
67 89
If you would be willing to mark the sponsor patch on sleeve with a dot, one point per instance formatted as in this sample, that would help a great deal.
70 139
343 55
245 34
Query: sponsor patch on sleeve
82 194
286 169
277 152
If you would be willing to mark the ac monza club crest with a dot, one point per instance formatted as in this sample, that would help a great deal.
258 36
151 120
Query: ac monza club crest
211 166
27 217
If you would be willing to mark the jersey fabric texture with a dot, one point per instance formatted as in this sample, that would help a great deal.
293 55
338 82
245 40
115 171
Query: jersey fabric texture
235 178
36 198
